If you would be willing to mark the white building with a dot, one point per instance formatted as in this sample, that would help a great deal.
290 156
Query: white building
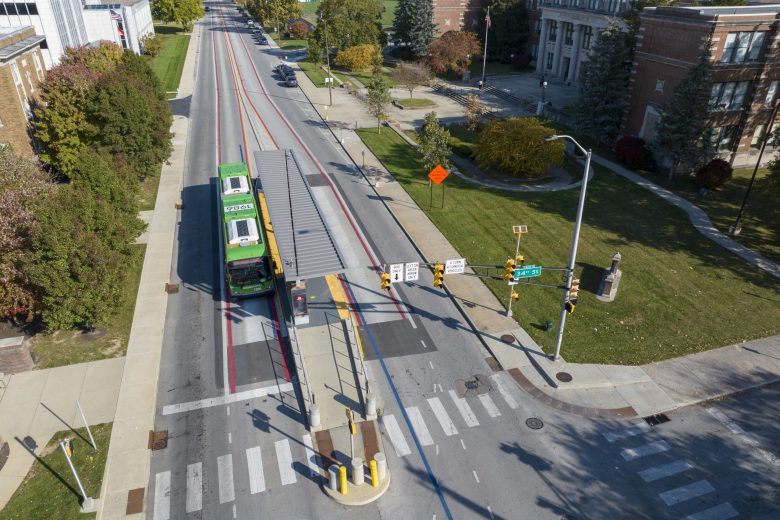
69 23
568 31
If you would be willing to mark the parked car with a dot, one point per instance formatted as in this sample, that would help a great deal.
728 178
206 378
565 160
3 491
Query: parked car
250 23
207 9
288 74
263 40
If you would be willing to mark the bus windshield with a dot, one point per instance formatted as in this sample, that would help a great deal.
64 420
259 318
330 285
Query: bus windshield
247 274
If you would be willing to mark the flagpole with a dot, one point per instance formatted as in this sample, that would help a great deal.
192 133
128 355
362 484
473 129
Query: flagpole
484 56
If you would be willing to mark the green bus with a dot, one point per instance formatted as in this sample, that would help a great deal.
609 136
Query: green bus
247 268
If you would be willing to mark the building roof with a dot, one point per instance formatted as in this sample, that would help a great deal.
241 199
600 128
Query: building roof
12 46
306 247
768 11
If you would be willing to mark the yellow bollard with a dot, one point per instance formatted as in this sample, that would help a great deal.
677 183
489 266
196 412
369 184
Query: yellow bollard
343 479
374 475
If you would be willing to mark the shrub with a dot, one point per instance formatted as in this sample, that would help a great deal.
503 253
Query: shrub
299 30
151 44
632 152
357 58
516 146
714 174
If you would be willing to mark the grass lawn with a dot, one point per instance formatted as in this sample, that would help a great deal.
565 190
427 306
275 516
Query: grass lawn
49 489
364 76
310 11
147 193
168 65
680 292
287 43
315 72
415 103
67 347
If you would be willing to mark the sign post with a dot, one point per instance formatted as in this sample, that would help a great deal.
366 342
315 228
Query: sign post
437 175
518 231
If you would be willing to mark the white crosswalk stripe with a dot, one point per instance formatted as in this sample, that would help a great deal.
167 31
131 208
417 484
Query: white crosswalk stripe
254 460
162 496
284 459
647 449
665 470
742 435
465 410
490 406
687 492
636 429
503 385
423 435
441 415
194 497
227 492
312 457
396 436
720 512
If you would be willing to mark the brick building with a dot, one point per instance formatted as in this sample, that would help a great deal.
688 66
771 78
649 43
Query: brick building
21 71
745 53
454 15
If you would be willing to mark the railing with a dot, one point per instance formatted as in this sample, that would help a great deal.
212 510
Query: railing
354 341
300 366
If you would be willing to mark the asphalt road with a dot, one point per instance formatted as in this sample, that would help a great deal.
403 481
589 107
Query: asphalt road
468 458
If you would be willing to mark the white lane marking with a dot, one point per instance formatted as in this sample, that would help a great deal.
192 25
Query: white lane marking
437 449
687 492
743 436
665 470
411 321
227 492
312 457
431 363
491 512
284 459
423 344
647 449
490 406
464 409
636 429
463 444
227 409
475 476
230 438
504 390
396 436
194 487
162 496
234 511
254 460
419 425
441 415
720 512
232 398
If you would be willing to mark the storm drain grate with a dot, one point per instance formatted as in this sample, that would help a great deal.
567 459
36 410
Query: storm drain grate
534 423
658 418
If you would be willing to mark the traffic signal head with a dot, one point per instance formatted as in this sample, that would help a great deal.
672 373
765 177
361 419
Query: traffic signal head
570 306
509 270
386 281
438 275
574 291
520 260
515 295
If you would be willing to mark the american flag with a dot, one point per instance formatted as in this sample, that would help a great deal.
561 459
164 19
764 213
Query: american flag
116 16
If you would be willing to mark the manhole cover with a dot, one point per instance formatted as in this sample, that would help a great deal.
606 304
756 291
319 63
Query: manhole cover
508 338
563 377
477 385
534 423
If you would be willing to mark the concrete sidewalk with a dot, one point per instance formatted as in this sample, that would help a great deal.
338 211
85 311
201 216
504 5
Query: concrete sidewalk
39 403
129 458
594 390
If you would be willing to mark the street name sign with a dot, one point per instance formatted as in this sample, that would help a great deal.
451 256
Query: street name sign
411 271
529 271
455 266
396 273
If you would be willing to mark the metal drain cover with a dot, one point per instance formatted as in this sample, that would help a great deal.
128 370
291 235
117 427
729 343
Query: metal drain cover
534 423
477 385
563 377
508 338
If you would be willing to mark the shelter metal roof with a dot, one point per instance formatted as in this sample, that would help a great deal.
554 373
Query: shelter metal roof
305 245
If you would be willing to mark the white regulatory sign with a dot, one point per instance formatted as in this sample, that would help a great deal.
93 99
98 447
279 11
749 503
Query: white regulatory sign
396 273
411 271
455 266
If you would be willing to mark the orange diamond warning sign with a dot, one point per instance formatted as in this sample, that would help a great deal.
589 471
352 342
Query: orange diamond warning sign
438 174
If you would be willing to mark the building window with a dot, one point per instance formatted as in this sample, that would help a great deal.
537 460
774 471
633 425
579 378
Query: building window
37 63
728 96
553 30
549 60
771 93
569 40
758 135
721 137
15 74
587 36
30 82
743 46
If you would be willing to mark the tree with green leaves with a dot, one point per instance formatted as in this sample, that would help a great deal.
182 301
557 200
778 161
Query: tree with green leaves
410 75
277 12
378 95
184 12
604 82
402 22
349 23
434 142
508 34
422 29
681 134
516 146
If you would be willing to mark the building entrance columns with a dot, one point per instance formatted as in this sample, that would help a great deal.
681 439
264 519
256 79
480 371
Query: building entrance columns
575 54
541 54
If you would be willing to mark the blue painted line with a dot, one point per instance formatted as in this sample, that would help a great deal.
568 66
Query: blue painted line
400 403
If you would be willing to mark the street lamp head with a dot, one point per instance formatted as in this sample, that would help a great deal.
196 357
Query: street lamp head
551 138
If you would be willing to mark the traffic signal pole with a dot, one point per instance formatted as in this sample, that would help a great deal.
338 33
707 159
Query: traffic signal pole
511 289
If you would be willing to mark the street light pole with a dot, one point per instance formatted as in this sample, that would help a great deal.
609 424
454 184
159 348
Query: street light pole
484 55
737 228
574 242
327 59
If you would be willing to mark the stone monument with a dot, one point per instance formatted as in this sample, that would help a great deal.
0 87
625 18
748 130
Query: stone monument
610 280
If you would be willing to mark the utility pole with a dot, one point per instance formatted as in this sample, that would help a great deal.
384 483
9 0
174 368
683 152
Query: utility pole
484 55
736 228
329 80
